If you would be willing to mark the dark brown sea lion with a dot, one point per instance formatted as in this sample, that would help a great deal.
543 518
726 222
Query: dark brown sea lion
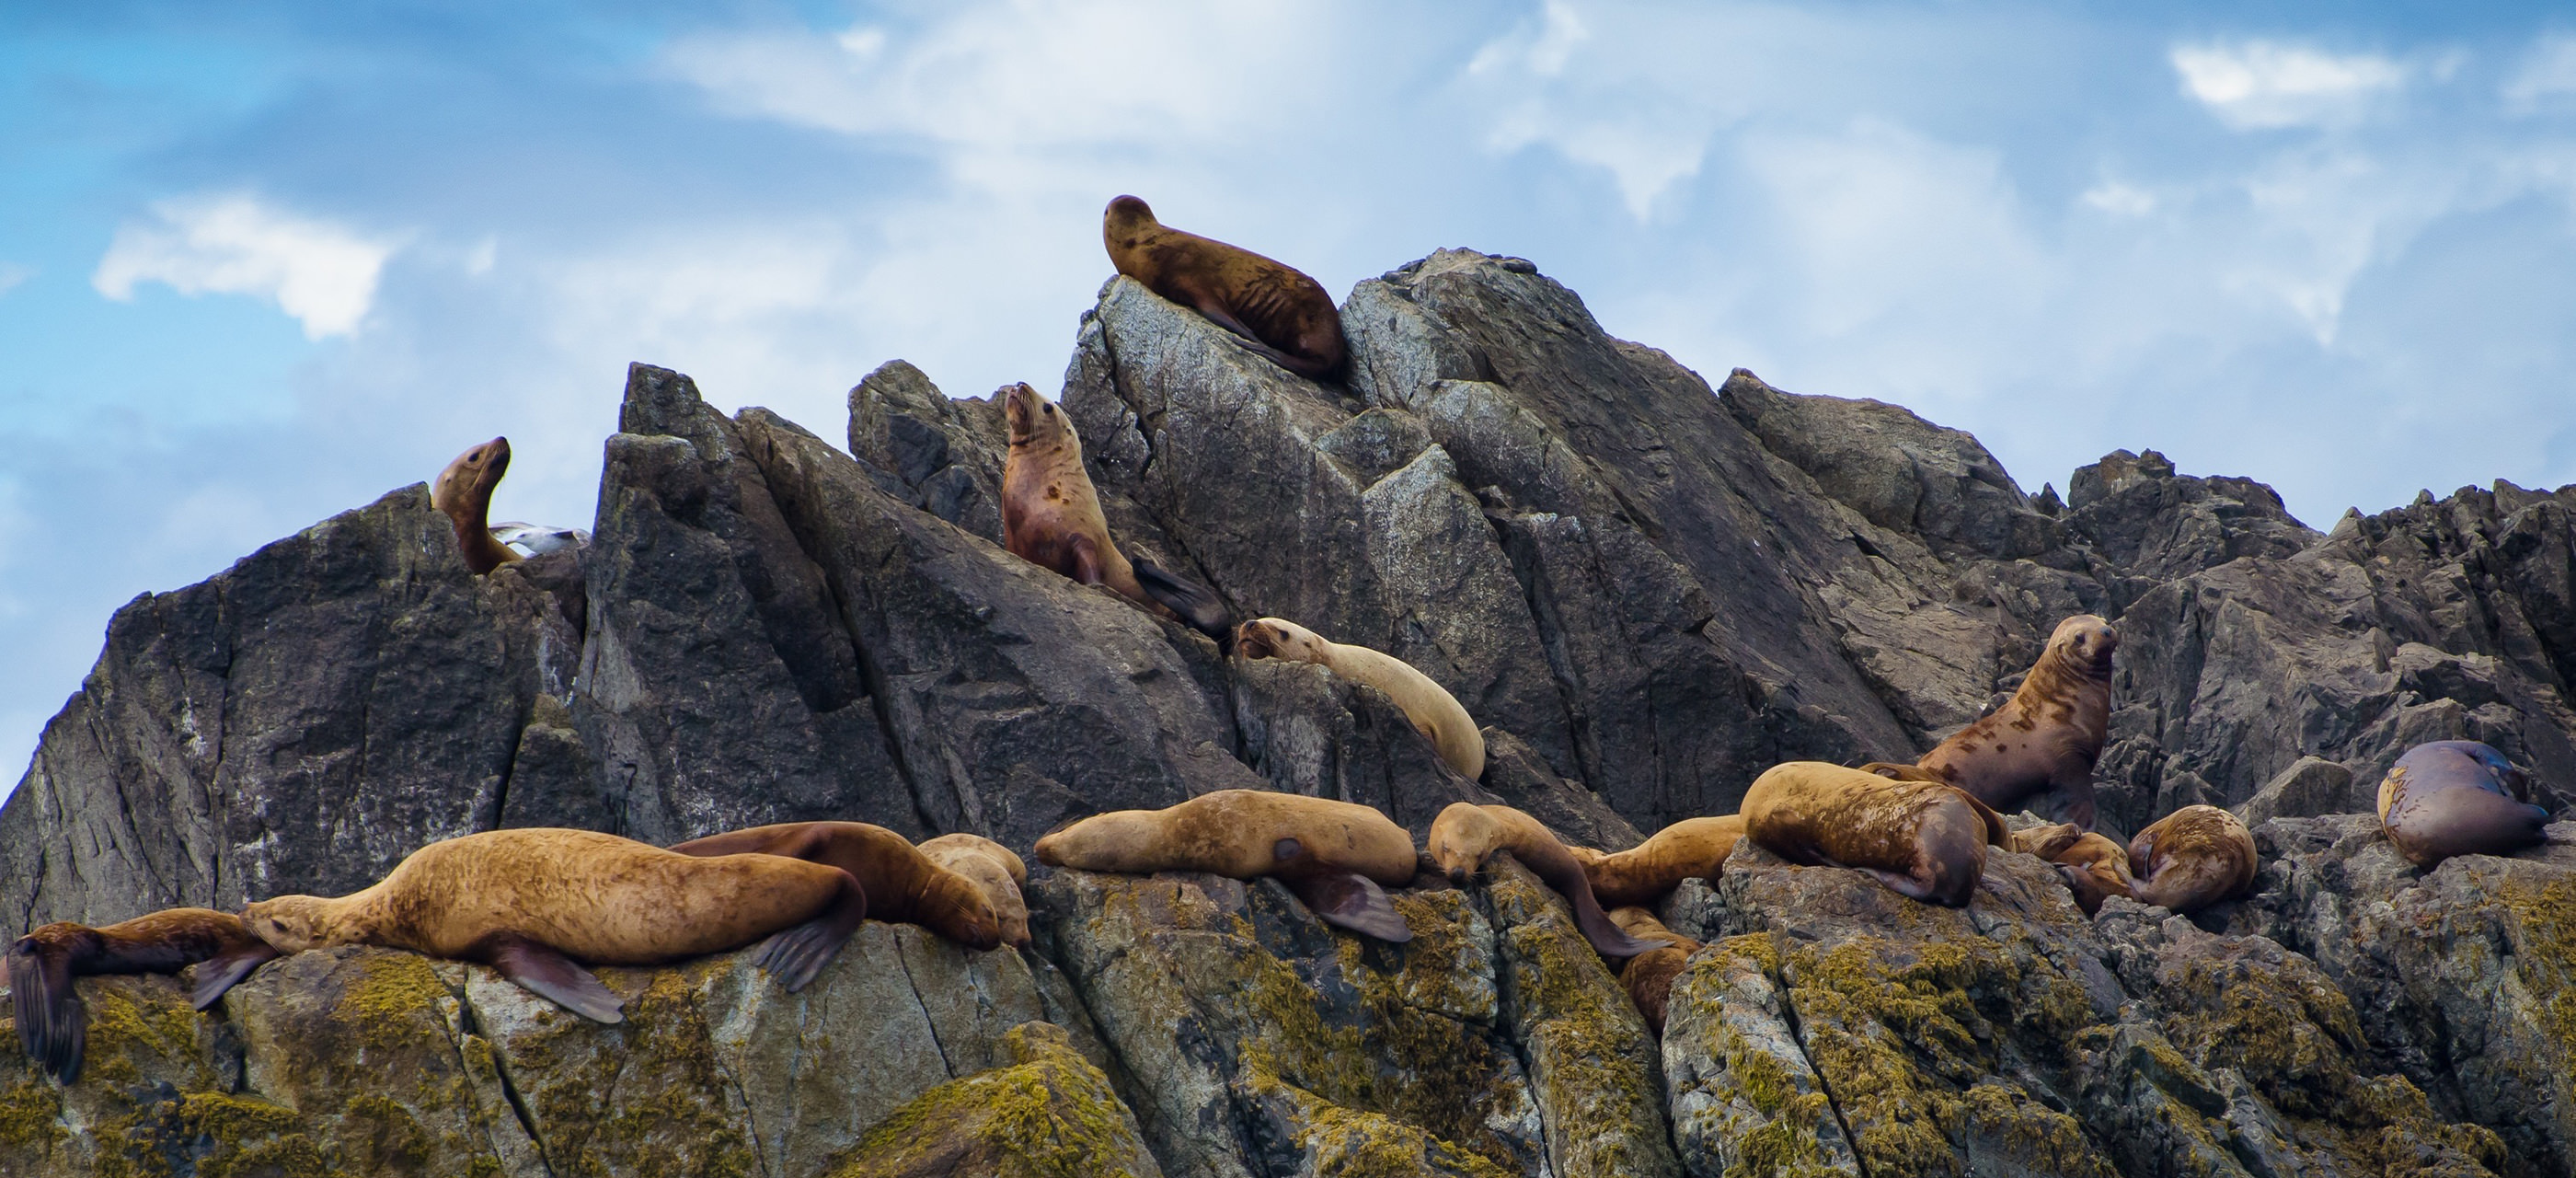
1924 839
1276 310
1692 848
1649 975
902 883
53 1026
1051 518
1465 834
1434 712
538 903
2093 866
2457 797
463 493
995 869
2048 736
2192 858
1334 855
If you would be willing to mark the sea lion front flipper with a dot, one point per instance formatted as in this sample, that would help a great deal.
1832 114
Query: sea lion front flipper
1347 899
550 975
224 971
53 1027
1196 604
1086 559
1252 341
799 953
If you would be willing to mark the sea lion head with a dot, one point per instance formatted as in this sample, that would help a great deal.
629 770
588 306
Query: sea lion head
1034 420
1461 838
973 921
470 478
289 924
2086 643
1278 638
1102 842
1126 221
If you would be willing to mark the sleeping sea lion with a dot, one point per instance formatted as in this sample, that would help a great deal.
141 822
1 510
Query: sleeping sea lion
1649 975
902 884
1334 855
1692 848
1432 709
993 868
463 493
537 904
2457 797
1466 834
2048 736
1051 518
1275 310
2092 865
53 1026
2191 859
1924 839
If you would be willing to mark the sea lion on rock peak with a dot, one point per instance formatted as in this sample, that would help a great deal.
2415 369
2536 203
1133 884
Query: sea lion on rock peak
2050 733
1923 839
1051 518
903 884
1466 834
2192 858
994 868
1692 848
1334 855
1649 976
537 904
53 1026
2457 797
463 493
1273 308
1434 712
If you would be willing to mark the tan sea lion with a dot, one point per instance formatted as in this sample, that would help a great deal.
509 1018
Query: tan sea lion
2192 858
1924 839
2048 735
1434 711
993 868
1465 834
533 902
53 1026
1273 308
1334 855
2457 797
902 883
2092 865
463 493
1649 975
1051 518
1692 848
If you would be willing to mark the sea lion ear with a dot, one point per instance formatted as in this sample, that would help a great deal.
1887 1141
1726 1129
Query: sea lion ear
1287 850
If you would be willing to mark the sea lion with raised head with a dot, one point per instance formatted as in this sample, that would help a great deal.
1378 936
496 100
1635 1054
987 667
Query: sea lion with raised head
2048 735
463 493
2457 797
1051 518
1274 309
1692 848
537 904
1649 976
903 884
1924 839
53 1026
994 868
1465 834
2191 859
2092 865
1333 855
1434 712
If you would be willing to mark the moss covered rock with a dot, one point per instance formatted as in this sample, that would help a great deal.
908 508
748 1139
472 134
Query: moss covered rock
1047 1114
1744 1099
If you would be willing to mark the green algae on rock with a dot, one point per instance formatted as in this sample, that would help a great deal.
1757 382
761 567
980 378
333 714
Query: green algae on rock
1050 1114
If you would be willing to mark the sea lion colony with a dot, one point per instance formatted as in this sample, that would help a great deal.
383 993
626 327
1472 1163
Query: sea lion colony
541 905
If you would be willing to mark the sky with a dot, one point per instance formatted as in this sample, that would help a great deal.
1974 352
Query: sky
262 265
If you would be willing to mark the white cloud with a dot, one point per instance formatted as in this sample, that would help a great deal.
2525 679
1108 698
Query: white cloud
2120 199
318 272
2547 76
1637 101
2253 85
11 274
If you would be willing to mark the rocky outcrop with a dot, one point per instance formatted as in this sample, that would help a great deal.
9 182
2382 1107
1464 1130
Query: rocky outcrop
1647 589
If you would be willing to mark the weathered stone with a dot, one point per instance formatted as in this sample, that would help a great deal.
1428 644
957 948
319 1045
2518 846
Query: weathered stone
1044 1113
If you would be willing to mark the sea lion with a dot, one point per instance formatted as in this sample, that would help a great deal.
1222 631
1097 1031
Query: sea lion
902 883
463 493
2191 859
1924 839
2457 797
1466 834
1432 709
2092 865
1692 848
53 1026
993 868
1649 975
1277 311
2048 736
1051 518
533 902
1334 855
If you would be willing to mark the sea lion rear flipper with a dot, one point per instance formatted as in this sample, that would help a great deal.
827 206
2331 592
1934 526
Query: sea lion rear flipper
1353 901
1609 940
224 971
550 975
1196 604
53 1027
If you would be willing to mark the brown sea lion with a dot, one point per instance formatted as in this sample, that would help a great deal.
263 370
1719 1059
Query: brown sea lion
2048 735
1923 839
2457 797
2192 858
1334 855
1434 712
53 1026
463 493
1465 834
1274 309
538 903
1051 518
2092 865
1649 975
993 868
903 884
1692 848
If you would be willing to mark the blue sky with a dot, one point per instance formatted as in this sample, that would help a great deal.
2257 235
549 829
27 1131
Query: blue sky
260 267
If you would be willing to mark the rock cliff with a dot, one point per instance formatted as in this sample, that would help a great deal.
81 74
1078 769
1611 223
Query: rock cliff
1648 589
